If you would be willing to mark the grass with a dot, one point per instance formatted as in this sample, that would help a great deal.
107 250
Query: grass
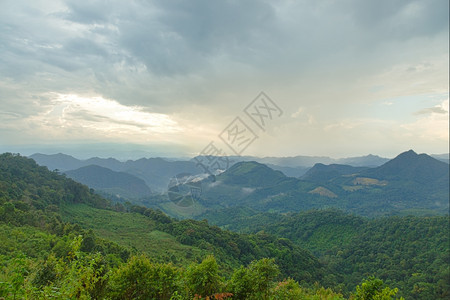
30 240
182 212
133 231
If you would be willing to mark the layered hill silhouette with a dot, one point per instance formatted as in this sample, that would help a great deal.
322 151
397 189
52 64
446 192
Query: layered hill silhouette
120 184
51 203
406 184
420 168
323 173
252 174
156 172
410 183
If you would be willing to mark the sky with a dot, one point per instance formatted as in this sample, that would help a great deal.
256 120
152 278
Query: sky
181 78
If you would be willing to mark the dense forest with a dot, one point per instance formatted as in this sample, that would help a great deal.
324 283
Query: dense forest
60 240
409 252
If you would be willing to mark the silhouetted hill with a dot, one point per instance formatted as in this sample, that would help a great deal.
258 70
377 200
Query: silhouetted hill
289 171
305 162
251 174
323 173
110 163
442 157
32 195
407 184
62 162
420 168
363 161
156 172
117 183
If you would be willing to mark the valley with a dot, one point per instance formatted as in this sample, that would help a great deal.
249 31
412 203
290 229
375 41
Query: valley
309 226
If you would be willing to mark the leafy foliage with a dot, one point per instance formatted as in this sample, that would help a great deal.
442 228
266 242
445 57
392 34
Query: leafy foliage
410 252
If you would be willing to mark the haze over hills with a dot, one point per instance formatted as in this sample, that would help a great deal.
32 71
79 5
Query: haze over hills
44 216
401 185
322 173
156 172
408 182
120 184
232 150
301 161
58 200
409 165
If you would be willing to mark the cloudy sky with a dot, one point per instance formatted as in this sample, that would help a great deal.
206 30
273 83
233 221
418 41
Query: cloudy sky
167 78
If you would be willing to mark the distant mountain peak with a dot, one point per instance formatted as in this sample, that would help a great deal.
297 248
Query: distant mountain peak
104 179
410 152
410 165
322 173
250 167
251 173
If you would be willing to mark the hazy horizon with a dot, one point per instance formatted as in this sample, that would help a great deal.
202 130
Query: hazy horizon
84 153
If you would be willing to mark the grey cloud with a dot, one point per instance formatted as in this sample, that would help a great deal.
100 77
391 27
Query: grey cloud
83 115
179 38
84 46
89 12
166 55
400 18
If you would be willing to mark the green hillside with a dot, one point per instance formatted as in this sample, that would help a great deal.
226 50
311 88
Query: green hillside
60 240
409 183
410 252
57 236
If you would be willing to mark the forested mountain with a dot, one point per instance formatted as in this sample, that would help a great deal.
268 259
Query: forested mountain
59 239
76 259
251 174
33 195
410 166
60 161
120 184
289 171
411 253
156 172
406 184
322 173
309 161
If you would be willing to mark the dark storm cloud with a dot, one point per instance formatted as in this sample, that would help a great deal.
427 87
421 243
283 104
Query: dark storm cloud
179 38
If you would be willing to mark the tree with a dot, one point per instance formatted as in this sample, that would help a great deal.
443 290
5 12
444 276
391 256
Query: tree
142 279
255 281
374 289
204 279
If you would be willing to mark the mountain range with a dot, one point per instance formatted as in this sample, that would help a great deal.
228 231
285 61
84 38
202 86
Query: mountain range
63 232
408 183
155 172
119 184
403 185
